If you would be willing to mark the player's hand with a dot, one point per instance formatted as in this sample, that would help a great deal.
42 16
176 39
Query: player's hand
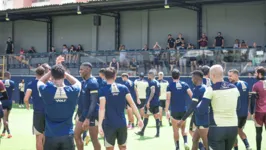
86 124
100 130
179 124
148 105
138 101
168 115
60 59
140 124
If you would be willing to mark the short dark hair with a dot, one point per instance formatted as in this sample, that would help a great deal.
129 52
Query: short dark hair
205 70
58 72
124 75
110 73
234 71
198 73
175 74
261 70
102 70
87 64
40 71
7 74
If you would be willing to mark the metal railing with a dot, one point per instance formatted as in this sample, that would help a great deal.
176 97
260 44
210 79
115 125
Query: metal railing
136 61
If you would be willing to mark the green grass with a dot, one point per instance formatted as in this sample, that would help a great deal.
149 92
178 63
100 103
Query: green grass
21 129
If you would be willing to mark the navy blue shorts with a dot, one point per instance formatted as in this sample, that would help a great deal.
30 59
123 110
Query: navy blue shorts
8 107
222 138
1 112
177 115
93 120
152 109
38 123
112 134
59 143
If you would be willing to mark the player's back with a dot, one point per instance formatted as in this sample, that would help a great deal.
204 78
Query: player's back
224 98
243 100
60 105
115 95
131 87
155 100
207 81
141 86
10 86
89 87
260 88
179 95
38 104
201 118
163 85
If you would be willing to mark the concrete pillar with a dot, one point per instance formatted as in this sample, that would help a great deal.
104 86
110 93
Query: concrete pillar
145 27
94 36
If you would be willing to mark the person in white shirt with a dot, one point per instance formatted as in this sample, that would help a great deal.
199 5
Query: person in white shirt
21 88
163 89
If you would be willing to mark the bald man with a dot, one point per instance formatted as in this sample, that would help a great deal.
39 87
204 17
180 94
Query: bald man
222 98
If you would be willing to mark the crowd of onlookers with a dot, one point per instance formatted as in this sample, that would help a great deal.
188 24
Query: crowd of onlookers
177 54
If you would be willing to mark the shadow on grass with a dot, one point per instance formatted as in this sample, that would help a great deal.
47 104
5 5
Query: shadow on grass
144 138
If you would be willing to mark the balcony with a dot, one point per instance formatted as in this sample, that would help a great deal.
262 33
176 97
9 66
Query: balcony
37 3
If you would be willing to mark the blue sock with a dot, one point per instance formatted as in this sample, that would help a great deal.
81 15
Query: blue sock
245 141
185 138
8 131
177 145
146 120
236 148
158 126
200 145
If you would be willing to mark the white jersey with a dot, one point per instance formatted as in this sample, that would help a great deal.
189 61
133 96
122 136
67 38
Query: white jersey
141 86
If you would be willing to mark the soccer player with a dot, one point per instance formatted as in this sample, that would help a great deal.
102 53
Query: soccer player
101 79
38 107
88 119
163 85
133 91
243 105
7 105
3 97
141 85
259 90
60 102
152 104
206 72
177 92
113 98
201 120
222 98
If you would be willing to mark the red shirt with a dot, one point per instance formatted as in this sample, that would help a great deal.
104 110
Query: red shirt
260 88
204 43
21 52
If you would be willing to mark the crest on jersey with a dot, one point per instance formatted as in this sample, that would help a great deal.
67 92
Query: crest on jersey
243 85
178 85
60 95
7 83
114 89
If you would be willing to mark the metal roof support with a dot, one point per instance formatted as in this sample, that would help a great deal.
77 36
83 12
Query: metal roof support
199 22
49 34
117 31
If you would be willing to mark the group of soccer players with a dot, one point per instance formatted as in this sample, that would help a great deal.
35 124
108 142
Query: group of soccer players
219 109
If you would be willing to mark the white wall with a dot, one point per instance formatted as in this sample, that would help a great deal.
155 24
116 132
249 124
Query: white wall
235 21
30 33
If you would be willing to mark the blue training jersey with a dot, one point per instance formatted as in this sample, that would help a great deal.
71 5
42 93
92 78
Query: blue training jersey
131 87
60 103
155 100
243 100
101 82
178 91
115 96
38 104
201 119
88 87
10 87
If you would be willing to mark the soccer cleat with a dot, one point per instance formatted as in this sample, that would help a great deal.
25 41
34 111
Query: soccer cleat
9 136
157 135
249 148
140 133
87 140
129 126
186 146
3 134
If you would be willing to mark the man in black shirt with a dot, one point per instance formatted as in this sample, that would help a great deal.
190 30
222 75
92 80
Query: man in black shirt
170 42
179 41
9 46
218 41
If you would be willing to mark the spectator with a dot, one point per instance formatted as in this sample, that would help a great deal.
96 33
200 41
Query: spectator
254 45
134 66
218 41
170 42
21 87
203 42
157 51
146 58
157 46
179 41
32 50
71 53
52 54
193 59
79 51
123 57
248 69
65 52
243 44
114 64
80 48
182 60
10 49
21 54
145 48
173 59
237 44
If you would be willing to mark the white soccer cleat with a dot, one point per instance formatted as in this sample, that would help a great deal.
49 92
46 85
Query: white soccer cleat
249 148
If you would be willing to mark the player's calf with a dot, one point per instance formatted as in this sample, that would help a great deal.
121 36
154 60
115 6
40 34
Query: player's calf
77 135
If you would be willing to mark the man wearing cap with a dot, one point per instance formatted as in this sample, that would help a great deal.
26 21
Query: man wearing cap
133 91
141 85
